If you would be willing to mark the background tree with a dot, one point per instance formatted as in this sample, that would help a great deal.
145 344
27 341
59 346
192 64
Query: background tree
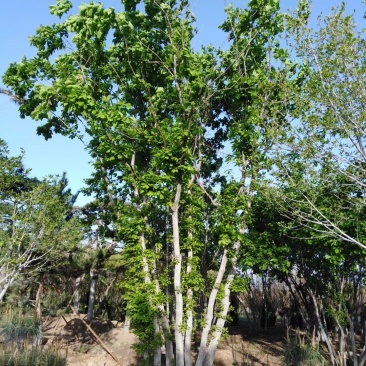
36 230
324 150
321 276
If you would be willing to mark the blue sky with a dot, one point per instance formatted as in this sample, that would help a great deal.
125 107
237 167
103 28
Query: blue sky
19 20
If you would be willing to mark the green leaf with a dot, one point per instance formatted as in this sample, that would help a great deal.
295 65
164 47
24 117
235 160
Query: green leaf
61 7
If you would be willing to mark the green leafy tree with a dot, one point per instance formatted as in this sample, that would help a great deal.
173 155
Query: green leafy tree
35 228
325 149
323 275
155 116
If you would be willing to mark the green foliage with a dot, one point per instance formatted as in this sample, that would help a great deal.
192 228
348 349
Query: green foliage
61 7
303 354
33 357
156 117
142 316
322 175
19 329
240 284
55 304
37 223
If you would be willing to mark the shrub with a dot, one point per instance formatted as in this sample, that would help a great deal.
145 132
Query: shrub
303 354
33 357
19 329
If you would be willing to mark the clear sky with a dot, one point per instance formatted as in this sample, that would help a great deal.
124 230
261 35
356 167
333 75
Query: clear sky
19 20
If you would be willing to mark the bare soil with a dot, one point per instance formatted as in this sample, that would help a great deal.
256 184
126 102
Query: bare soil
70 335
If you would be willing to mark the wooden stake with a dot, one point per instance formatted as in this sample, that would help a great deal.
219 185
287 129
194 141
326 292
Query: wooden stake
100 341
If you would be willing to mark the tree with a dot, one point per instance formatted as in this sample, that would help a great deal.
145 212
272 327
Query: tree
155 116
35 229
325 149
100 240
323 275
319 175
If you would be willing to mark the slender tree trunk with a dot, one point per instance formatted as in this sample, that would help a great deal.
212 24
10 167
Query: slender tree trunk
147 274
93 286
78 282
352 339
210 310
210 355
341 344
219 326
38 309
322 330
169 352
179 341
265 298
189 325
362 361
169 355
38 314
127 322
297 301
157 351
5 286
93 282
249 321
189 311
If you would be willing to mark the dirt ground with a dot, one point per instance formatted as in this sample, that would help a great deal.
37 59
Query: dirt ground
70 335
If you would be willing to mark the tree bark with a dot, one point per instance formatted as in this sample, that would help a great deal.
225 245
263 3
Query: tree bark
210 310
210 354
93 282
5 286
342 343
93 286
37 309
157 350
38 315
78 282
147 279
189 325
322 330
352 339
179 341
219 326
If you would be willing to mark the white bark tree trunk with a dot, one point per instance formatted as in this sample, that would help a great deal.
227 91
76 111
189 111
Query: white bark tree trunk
206 355
210 311
211 351
157 351
169 352
322 330
179 340
189 325
127 323
6 284
93 283
38 308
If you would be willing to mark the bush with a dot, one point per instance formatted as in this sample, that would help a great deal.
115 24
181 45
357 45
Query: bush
19 329
33 357
303 354
20 333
